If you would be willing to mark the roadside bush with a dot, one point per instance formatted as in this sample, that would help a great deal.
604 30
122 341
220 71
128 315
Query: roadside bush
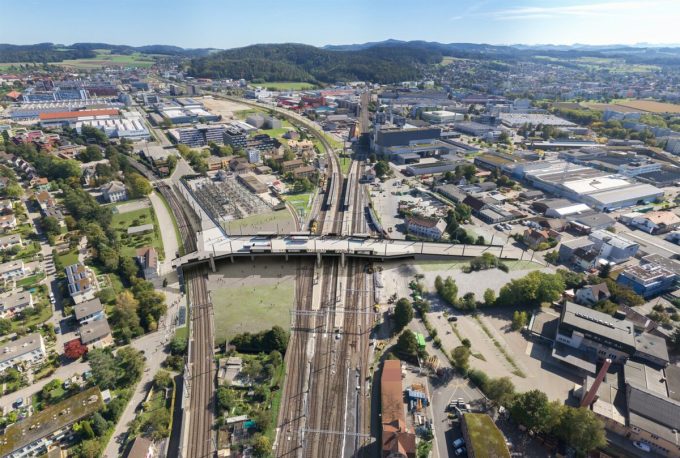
478 378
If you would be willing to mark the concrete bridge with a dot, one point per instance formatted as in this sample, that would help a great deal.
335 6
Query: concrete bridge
221 248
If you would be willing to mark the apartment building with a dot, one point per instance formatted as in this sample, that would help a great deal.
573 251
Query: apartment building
28 350
429 228
82 284
12 270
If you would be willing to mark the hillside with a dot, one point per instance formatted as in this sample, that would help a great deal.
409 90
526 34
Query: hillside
50 52
297 62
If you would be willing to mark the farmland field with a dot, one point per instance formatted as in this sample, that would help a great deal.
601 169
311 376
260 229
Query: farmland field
288 86
105 59
639 106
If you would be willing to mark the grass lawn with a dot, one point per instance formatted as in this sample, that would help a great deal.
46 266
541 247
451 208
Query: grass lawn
274 133
486 438
243 114
289 86
182 332
252 309
31 280
345 164
280 221
43 316
122 221
301 202
68 258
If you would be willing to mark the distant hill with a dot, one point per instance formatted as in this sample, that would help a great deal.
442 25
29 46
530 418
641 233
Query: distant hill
297 62
50 52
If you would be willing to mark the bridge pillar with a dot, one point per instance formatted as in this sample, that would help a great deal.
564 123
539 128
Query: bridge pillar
231 258
212 263
286 257
318 259
342 259
252 257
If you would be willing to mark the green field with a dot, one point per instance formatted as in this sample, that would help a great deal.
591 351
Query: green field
288 86
129 244
69 258
104 58
252 308
278 221
345 164
301 202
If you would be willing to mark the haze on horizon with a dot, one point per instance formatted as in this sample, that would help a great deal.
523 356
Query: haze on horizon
224 24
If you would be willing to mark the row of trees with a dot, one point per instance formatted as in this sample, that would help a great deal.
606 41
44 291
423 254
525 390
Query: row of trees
275 338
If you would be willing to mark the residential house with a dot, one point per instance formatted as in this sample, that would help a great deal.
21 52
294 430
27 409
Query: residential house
87 311
306 171
148 261
40 183
592 294
289 166
82 284
398 440
96 334
15 302
8 222
12 270
656 222
6 207
28 350
429 228
142 448
534 238
114 191
45 200
613 248
33 435
648 279
10 241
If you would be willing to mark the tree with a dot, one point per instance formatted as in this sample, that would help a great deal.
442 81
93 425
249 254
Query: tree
403 313
5 326
74 349
51 226
261 445
225 398
531 410
99 424
128 268
581 429
489 297
605 270
447 289
131 364
162 379
519 320
139 186
382 168
500 390
461 356
91 153
407 343
105 373
151 302
178 345
275 339
125 316
532 289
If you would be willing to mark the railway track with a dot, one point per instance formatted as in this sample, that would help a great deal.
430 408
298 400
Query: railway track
201 367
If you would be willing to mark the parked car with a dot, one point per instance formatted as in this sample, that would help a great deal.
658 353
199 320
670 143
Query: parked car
642 446
460 451
458 442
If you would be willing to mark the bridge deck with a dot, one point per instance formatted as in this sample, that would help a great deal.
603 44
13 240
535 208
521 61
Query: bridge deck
356 247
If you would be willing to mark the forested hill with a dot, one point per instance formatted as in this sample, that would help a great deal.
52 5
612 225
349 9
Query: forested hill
42 52
297 62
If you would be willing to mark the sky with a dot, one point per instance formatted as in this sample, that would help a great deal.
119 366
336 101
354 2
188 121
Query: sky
231 23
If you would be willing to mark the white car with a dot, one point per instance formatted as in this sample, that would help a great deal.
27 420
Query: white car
642 446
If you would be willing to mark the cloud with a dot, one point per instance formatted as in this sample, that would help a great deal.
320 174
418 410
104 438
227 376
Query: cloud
582 10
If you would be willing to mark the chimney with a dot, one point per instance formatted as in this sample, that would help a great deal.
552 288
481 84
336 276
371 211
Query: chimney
592 392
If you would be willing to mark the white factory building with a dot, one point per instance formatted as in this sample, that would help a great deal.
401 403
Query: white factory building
130 126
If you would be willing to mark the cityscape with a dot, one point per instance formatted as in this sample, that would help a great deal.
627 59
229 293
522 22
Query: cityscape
397 248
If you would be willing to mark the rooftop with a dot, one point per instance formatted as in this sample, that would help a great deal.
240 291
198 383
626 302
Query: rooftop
19 347
54 418
88 308
94 330
599 323
484 437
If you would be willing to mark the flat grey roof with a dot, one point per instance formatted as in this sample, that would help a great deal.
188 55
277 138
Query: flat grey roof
651 345
598 323
594 219
670 264
94 330
87 308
